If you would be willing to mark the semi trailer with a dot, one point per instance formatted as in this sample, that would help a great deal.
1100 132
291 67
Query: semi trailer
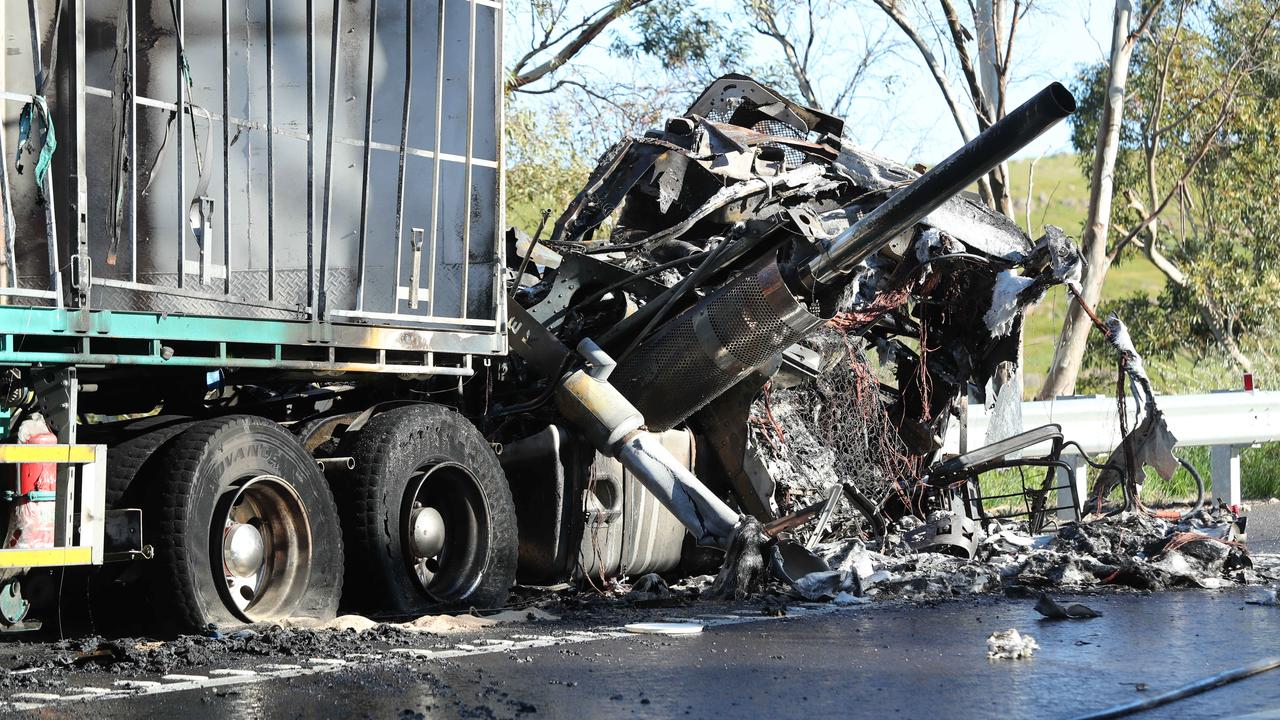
268 350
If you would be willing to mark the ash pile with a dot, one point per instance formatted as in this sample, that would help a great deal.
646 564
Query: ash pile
1126 551
806 320
832 433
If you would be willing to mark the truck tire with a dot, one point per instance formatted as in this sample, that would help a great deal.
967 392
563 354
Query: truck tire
130 449
427 468
244 527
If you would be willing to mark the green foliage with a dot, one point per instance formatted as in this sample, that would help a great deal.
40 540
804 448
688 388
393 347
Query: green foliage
1203 93
545 165
681 36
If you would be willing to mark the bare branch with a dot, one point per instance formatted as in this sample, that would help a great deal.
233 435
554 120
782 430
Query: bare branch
585 33
1146 19
891 9
982 106
768 26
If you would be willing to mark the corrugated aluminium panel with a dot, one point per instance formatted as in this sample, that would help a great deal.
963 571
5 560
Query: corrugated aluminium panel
262 234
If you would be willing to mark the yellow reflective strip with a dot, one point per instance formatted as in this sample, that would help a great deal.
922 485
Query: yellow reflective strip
47 453
46 557
81 453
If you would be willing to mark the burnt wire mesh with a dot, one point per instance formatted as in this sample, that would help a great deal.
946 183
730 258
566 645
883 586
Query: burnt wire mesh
832 428
778 128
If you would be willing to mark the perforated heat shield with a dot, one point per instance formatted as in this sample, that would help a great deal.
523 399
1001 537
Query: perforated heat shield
704 351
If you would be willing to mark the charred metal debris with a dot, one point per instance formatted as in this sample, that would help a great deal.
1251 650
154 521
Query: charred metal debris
770 330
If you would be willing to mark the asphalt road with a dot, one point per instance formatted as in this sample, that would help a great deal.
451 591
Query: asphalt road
880 659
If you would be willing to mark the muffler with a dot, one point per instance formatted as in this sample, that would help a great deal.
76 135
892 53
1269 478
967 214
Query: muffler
692 359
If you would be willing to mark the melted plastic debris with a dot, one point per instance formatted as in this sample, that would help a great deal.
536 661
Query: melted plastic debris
1054 610
1005 309
1128 551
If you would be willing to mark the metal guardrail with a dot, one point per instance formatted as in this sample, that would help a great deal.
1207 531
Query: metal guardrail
1225 422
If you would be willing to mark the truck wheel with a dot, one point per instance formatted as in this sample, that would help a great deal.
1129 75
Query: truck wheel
132 447
430 520
244 526
129 452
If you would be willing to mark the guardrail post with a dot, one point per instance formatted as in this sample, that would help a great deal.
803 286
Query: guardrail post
1224 467
1080 478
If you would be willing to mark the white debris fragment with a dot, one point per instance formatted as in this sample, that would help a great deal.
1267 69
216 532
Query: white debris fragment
1004 303
1010 645
876 578
930 239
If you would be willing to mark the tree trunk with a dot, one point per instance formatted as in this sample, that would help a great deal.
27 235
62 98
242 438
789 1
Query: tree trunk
1069 353
987 21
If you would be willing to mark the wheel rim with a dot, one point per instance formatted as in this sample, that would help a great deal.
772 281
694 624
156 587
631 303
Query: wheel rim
261 547
446 531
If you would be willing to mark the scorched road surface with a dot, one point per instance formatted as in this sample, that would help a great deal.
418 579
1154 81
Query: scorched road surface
890 660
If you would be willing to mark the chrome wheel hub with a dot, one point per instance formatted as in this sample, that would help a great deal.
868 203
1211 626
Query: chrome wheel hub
444 531
266 547
426 532
243 550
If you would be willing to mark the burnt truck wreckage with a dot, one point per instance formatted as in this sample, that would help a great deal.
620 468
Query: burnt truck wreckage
750 251
767 228
380 401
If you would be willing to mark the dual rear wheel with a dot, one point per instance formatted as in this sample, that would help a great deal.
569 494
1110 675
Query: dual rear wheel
429 521
246 527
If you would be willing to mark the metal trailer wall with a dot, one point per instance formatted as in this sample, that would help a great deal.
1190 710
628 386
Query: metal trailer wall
366 197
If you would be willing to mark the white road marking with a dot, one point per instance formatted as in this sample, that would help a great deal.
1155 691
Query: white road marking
36 696
279 666
230 676
137 684
83 696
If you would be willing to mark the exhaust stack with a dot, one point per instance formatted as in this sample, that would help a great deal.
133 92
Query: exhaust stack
911 204
697 355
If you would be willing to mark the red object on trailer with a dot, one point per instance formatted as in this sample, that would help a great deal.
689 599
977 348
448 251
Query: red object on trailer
41 477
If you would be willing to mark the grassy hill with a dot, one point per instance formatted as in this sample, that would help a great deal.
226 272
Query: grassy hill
1060 196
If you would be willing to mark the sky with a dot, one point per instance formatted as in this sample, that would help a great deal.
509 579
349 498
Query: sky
899 112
